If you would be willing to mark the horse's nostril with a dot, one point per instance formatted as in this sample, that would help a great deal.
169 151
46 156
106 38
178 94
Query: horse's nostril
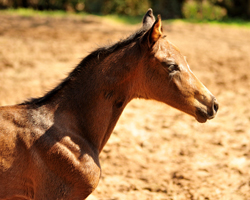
216 106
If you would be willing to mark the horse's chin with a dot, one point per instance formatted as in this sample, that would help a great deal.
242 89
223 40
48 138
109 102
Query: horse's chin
201 116
201 119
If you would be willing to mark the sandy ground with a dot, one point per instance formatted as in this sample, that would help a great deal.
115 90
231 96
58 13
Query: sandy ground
155 151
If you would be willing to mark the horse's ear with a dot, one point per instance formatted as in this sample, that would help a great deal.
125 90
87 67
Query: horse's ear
155 32
148 19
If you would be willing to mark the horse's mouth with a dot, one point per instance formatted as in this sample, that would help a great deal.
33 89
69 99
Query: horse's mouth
202 116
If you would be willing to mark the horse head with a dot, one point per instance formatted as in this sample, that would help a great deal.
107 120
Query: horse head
168 77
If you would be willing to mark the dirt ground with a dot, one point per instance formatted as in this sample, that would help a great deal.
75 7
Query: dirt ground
155 151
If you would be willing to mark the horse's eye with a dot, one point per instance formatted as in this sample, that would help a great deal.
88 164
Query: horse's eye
173 67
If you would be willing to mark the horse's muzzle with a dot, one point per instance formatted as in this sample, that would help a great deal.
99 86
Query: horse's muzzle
202 114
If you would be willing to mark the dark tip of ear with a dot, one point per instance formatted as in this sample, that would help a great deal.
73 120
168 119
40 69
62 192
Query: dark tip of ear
148 14
148 19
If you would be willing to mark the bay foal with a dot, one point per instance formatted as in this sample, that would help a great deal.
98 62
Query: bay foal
49 146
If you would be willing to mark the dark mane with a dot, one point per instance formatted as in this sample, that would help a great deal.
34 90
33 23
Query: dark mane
97 55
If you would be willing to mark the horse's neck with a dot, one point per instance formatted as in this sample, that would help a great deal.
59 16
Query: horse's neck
95 102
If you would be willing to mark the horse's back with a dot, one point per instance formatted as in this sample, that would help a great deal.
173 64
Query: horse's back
11 146
14 158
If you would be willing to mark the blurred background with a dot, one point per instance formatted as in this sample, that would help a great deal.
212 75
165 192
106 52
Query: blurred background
155 151
169 9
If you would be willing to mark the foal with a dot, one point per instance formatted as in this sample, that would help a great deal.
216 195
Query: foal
49 146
